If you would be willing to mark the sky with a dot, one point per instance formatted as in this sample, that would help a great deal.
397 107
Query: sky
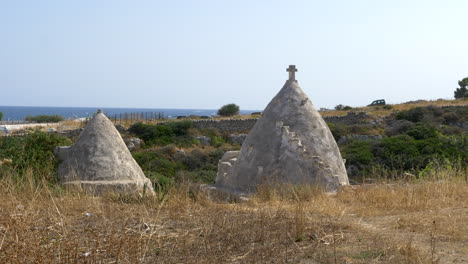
202 54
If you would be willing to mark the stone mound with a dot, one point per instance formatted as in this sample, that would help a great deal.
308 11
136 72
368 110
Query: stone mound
290 143
100 162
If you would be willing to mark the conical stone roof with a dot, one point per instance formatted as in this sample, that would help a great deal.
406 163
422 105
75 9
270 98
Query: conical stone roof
99 161
290 143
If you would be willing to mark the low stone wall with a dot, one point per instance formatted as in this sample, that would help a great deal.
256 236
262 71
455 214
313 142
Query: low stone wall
351 118
244 125
226 125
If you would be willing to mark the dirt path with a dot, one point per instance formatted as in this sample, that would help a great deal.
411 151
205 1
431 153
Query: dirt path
428 241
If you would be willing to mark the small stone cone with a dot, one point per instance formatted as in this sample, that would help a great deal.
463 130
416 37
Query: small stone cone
100 162
290 143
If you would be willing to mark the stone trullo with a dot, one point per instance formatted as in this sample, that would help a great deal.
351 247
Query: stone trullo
100 162
290 143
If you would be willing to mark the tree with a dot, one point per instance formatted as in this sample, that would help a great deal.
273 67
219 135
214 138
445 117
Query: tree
339 107
343 107
1 116
462 92
229 110
44 118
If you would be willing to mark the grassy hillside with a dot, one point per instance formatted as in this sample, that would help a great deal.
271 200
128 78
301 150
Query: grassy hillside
381 111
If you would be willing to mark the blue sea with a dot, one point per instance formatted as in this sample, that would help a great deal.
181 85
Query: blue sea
20 112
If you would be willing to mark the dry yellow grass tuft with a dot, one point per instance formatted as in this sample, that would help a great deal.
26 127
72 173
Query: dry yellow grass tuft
418 222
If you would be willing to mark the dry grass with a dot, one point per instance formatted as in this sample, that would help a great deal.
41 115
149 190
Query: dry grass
379 111
417 222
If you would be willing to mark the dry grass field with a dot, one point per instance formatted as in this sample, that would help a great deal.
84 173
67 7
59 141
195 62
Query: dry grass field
380 111
398 222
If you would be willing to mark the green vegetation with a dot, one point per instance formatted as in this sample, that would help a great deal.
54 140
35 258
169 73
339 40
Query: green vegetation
415 140
339 130
167 165
343 107
164 134
44 118
32 153
229 110
1 116
436 115
462 92
387 107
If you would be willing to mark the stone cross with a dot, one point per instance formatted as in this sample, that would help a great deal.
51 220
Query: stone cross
292 72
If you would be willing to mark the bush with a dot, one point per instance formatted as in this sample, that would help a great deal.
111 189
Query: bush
156 162
398 153
33 152
450 118
422 131
358 153
434 114
461 92
180 128
387 107
168 165
229 110
172 132
44 118
1 116
398 127
337 130
339 107
413 115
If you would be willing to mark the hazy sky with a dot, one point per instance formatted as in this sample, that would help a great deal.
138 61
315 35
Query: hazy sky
203 54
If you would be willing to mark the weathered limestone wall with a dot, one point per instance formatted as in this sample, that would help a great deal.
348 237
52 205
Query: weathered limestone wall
226 125
245 125
349 119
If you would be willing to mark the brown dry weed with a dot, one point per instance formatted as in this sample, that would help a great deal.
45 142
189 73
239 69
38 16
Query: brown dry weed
418 222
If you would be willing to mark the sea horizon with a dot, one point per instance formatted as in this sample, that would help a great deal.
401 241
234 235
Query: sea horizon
15 113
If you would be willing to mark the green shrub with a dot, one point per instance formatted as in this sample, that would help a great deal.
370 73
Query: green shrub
171 132
33 152
167 163
387 107
217 141
432 114
229 110
413 115
398 127
339 107
161 183
358 153
337 130
422 131
180 128
1 116
398 152
44 118
156 162
450 118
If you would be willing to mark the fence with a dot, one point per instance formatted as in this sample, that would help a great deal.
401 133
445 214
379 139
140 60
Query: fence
133 117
